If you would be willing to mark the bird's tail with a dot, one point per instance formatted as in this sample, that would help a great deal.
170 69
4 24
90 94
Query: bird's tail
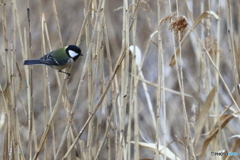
31 61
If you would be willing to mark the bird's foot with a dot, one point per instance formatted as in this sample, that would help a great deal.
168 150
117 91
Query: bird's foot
67 73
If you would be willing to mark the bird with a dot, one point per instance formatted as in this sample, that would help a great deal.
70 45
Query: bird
58 59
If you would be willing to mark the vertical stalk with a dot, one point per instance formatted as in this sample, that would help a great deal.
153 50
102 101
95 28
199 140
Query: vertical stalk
30 98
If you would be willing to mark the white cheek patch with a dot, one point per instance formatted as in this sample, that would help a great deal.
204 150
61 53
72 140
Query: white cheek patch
72 53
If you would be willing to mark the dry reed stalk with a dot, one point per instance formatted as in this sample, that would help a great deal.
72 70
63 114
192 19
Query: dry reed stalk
188 142
113 96
28 47
44 73
12 69
159 91
108 112
135 59
90 105
99 124
6 96
59 36
121 142
217 58
57 23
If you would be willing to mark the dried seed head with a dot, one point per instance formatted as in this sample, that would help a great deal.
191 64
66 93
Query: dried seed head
179 25
211 46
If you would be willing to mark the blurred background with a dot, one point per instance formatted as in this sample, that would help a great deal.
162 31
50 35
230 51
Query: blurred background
190 107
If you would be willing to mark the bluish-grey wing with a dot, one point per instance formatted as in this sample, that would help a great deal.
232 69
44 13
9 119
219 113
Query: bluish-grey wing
49 60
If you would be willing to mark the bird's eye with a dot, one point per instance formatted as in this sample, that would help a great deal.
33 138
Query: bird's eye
72 53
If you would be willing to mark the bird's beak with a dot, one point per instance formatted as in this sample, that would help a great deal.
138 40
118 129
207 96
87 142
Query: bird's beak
81 54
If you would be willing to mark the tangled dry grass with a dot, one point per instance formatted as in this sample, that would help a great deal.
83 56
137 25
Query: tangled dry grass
158 80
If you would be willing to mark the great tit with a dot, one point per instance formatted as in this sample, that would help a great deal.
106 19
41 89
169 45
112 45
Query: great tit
58 59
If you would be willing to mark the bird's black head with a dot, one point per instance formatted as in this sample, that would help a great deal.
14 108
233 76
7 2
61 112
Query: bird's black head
73 51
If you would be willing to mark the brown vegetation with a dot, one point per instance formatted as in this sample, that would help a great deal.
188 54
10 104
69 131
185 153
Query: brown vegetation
158 79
